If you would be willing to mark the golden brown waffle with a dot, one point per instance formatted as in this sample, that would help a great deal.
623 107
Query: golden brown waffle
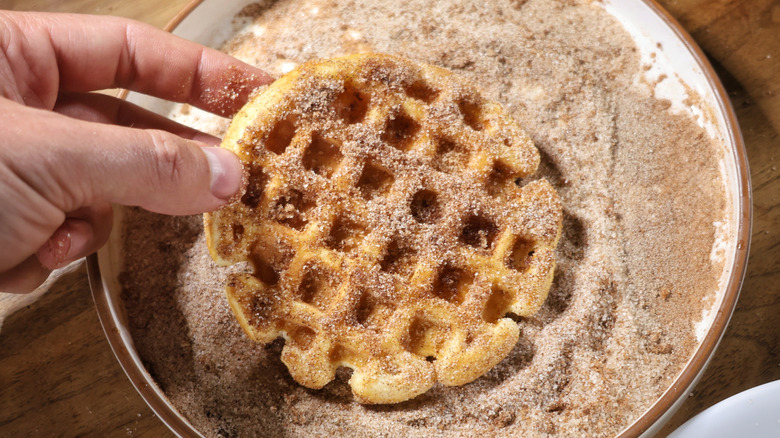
387 226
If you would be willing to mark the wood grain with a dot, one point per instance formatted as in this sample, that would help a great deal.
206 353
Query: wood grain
58 375
157 13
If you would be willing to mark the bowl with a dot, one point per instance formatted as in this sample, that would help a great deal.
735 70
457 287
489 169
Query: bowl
752 412
672 56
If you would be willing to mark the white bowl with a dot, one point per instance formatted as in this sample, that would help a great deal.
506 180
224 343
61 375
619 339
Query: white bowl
653 30
754 413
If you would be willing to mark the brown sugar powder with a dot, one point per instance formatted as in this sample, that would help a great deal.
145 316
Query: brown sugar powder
640 188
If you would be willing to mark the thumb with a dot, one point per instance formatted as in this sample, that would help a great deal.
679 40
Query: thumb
83 163
161 172
52 165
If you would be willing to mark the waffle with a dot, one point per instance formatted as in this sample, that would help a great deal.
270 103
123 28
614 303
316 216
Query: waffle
390 224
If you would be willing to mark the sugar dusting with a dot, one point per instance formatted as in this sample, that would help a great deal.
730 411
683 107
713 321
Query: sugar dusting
641 190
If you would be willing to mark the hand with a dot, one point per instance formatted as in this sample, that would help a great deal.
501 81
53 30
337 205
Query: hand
64 160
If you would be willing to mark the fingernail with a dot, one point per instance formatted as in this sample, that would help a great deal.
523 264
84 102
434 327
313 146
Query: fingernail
225 170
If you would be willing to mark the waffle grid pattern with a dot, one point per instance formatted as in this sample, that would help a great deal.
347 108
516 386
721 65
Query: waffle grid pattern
385 226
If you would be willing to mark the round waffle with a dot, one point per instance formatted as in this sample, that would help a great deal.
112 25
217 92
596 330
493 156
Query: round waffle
390 224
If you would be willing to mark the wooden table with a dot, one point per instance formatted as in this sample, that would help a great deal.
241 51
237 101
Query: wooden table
59 377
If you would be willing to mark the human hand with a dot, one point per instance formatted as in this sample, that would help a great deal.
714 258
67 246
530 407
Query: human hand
66 154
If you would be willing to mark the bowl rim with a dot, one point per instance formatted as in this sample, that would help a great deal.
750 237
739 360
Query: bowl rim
147 388
693 370
685 379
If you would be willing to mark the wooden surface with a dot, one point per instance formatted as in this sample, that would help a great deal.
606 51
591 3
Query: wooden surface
59 377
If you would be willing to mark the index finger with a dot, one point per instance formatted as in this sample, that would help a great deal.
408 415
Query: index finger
109 52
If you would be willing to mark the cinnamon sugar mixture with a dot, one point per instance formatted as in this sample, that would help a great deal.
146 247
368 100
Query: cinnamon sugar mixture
640 188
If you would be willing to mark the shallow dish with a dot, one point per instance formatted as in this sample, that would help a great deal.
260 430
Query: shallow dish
678 71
